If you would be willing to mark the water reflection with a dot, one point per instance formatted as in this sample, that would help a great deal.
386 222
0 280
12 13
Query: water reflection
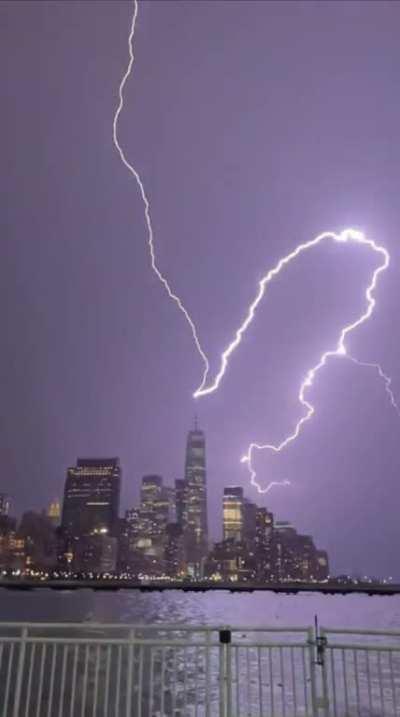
210 608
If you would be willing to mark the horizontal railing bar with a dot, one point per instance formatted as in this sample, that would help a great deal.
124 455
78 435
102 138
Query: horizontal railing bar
266 645
143 642
57 640
155 626
348 631
359 646
104 641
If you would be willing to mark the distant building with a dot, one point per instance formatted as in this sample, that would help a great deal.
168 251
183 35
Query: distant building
156 503
132 520
257 549
91 497
127 533
194 513
180 497
12 551
284 551
233 513
322 565
235 557
264 525
95 554
143 533
230 561
249 523
154 513
264 544
5 504
174 555
12 548
150 491
7 524
40 540
54 513
296 557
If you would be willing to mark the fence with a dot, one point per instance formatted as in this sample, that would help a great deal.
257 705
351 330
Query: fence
360 672
71 670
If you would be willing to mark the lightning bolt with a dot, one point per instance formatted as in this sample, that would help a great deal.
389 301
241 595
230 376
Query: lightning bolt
386 379
146 202
339 350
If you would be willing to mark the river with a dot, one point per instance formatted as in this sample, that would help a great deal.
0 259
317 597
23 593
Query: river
259 609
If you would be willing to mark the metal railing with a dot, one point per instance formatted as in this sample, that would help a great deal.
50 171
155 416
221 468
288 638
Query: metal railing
68 670
361 672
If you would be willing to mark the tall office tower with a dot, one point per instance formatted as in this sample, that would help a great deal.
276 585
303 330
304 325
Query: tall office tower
180 494
54 512
150 491
156 505
264 526
91 497
233 513
264 544
8 528
195 500
174 550
4 504
132 519
155 512
249 523
322 565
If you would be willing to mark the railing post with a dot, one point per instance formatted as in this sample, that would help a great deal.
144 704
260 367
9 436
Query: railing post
311 652
317 647
129 675
21 660
207 671
225 673
322 643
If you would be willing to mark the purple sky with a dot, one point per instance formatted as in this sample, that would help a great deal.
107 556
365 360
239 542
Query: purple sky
255 126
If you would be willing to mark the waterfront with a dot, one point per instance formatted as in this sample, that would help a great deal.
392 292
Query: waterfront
260 609
181 670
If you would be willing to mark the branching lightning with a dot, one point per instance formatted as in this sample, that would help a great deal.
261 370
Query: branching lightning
386 379
339 350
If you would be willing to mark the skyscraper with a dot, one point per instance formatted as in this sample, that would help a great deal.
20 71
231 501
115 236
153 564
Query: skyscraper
54 512
180 493
233 513
155 510
195 524
150 491
264 544
249 523
91 497
174 552
4 504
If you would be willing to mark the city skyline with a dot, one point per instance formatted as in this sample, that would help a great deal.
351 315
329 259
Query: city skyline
176 497
164 536
72 489
183 511
246 152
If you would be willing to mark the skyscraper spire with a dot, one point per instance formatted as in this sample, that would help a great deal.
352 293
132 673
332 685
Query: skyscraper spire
196 422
